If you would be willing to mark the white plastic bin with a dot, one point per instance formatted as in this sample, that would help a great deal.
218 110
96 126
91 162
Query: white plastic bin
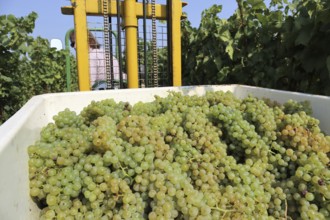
23 129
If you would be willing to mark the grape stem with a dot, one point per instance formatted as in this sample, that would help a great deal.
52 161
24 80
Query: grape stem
192 159
286 217
44 170
224 210
272 152
117 196
124 172
286 209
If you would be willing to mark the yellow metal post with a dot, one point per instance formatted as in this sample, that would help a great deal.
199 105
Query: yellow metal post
176 41
80 24
130 20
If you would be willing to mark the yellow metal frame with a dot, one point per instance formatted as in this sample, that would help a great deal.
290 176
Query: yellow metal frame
130 12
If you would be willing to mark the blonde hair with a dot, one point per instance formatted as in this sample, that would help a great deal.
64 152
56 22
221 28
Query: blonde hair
92 42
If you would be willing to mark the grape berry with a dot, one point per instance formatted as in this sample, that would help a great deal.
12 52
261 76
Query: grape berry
183 157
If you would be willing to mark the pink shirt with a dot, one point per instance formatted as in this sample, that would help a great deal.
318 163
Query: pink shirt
98 68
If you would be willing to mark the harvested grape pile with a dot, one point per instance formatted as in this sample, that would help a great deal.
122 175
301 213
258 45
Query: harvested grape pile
183 157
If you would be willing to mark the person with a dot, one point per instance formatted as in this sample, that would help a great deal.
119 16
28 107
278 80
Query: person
98 76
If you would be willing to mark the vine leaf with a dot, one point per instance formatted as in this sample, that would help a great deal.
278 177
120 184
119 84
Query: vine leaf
257 4
328 64
283 46
28 66
5 78
230 50
304 36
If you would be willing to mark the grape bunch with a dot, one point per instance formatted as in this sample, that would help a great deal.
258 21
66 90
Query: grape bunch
183 157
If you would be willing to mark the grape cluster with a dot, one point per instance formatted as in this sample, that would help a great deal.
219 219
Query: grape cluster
183 157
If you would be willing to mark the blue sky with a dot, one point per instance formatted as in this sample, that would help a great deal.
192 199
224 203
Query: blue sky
52 24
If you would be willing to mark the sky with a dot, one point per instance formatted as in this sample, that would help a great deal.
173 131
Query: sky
52 24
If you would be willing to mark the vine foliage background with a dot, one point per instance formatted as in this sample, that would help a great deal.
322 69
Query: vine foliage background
284 46
28 66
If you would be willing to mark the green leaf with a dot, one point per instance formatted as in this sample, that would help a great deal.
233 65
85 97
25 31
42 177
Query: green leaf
206 59
23 47
310 13
304 36
11 17
218 62
257 4
23 75
328 64
224 36
230 51
5 78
